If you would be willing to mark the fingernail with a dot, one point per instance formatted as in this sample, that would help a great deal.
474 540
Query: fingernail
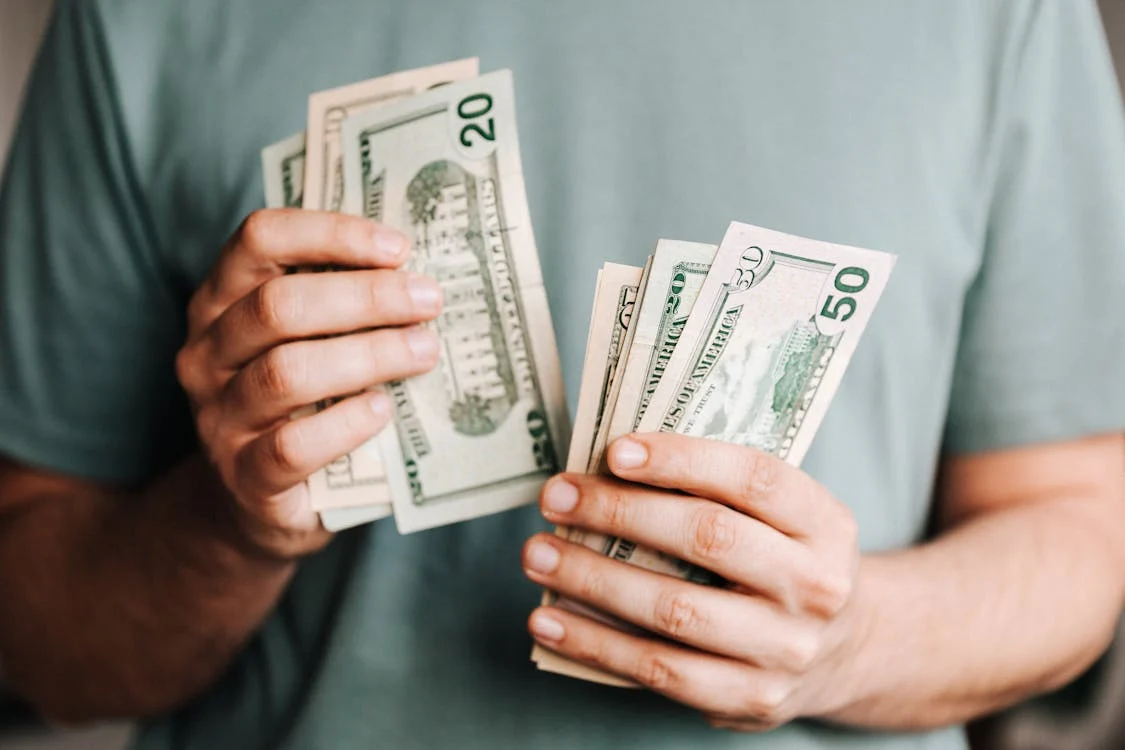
423 343
389 243
424 292
627 454
380 403
560 496
542 557
547 628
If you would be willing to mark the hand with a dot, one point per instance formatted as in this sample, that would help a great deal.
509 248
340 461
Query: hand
750 656
263 343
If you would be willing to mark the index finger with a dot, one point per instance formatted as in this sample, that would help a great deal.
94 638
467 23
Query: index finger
748 480
270 242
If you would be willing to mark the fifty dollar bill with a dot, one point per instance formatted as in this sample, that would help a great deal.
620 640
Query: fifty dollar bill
758 362
674 280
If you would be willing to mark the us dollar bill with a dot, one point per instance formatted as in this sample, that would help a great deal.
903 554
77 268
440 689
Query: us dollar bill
352 489
763 353
613 336
760 358
610 324
324 176
357 478
582 434
283 166
608 397
773 331
482 431
615 304
283 171
673 284
672 281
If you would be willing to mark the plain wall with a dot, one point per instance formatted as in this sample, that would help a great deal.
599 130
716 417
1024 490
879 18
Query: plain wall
21 27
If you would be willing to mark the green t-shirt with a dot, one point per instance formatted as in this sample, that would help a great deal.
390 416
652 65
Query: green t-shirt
980 141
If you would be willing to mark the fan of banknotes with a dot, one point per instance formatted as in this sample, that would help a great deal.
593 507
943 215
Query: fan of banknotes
744 342
434 153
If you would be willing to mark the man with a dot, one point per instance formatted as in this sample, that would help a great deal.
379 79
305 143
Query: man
158 557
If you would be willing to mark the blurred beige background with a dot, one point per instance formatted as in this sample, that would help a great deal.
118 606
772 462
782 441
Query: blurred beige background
21 27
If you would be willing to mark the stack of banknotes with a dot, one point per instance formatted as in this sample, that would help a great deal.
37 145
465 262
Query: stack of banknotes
434 153
745 342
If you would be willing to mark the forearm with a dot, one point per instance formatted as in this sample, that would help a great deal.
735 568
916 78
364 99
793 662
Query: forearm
1004 606
128 604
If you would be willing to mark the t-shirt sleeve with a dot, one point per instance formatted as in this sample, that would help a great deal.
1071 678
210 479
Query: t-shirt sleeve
1042 352
89 321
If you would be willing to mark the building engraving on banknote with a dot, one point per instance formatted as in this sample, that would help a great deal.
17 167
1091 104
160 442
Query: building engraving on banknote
324 182
353 488
785 363
459 237
483 429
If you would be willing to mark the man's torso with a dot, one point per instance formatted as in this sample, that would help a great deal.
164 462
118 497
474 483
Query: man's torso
867 125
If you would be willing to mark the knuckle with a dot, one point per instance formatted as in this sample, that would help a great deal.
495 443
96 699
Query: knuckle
358 421
208 421
386 353
592 586
383 286
830 593
392 354
276 305
197 310
656 671
758 474
591 650
847 527
677 616
714 532
615 506
819 588
279 373
286 446
187 369
257 233
348 232
685 460
766 701
800 650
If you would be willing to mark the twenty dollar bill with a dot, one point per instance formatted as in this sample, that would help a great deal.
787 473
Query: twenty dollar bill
324 176
352 489
482 431
283 171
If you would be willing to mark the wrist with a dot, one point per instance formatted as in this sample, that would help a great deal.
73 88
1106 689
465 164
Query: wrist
259 539
242 531
848 676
